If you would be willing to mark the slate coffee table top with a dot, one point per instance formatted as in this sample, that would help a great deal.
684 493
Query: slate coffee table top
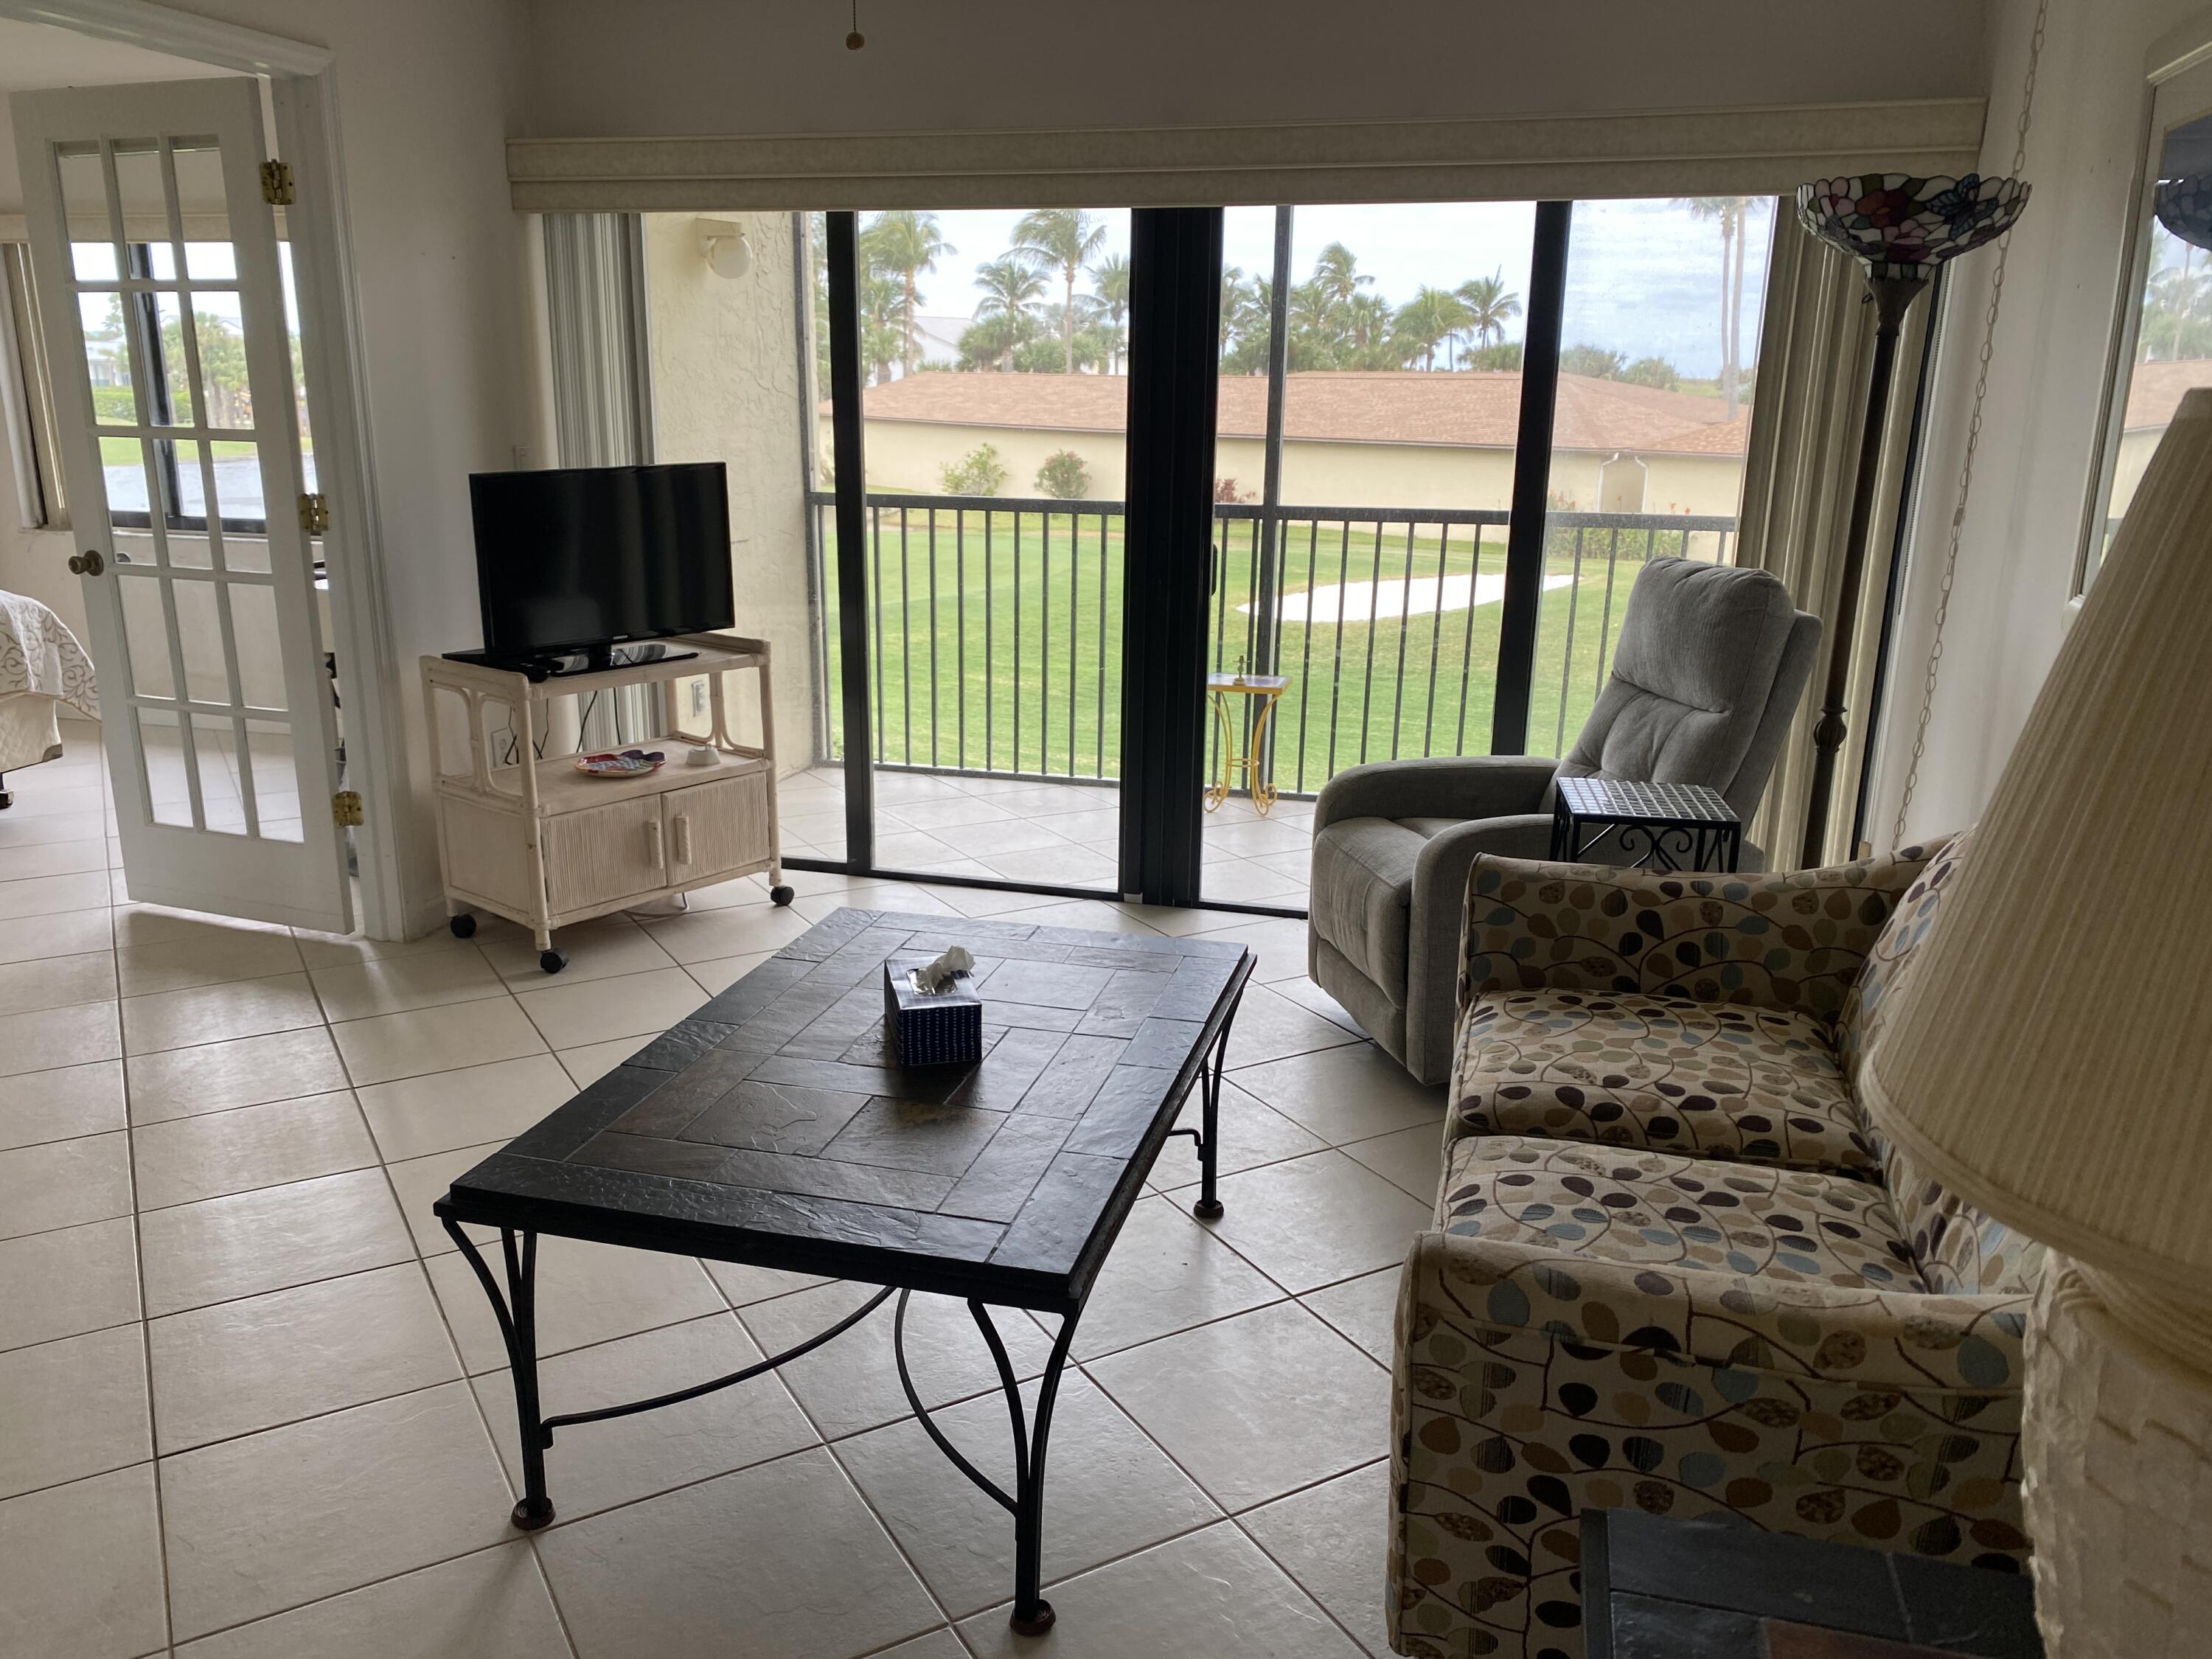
774 1126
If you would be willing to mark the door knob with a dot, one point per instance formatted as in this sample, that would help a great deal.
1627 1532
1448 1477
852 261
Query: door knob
89 564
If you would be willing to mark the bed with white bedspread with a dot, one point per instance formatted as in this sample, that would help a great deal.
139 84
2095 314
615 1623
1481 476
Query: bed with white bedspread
42 670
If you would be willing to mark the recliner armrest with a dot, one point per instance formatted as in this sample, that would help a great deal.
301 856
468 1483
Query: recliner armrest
1456 786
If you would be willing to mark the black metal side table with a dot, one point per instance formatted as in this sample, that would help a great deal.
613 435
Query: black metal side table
1683 826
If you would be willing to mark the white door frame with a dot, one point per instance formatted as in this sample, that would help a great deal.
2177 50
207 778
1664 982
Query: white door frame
303 92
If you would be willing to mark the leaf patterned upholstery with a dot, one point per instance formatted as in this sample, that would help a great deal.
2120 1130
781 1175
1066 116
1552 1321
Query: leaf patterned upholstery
1717 1079
1674 1267
1638 1208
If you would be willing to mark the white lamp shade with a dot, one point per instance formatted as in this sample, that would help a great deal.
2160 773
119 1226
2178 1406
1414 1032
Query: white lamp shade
2055 1065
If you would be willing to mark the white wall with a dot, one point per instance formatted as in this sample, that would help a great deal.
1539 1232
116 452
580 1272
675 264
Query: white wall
2032 472
670 67
426 96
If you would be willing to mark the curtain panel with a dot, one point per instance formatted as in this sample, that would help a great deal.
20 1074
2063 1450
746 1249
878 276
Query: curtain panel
1815 358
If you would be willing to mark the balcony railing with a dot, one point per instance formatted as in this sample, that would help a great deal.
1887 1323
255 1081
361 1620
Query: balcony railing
995 625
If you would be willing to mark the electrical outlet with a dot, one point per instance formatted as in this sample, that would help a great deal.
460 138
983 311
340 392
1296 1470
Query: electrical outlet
698 696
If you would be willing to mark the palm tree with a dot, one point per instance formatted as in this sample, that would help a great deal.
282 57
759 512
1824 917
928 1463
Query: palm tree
1011 286
1336 275
1424 322
1489 307
1731 211
1109 282
1068 238
904 244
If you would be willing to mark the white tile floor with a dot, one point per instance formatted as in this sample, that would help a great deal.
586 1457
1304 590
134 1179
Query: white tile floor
253 1406
1056 834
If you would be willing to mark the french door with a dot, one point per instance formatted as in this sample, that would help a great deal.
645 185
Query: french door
156 255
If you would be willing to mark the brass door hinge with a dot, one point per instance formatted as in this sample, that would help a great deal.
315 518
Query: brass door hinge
345 809
314 515
277 187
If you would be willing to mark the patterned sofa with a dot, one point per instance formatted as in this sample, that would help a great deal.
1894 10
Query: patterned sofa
1672 1266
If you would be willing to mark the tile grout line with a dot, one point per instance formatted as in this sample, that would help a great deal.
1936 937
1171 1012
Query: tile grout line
145 1321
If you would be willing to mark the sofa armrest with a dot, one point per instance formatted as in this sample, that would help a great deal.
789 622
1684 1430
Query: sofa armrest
1794 940
1530 1384
1459 787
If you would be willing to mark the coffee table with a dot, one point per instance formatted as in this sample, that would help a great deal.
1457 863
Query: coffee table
774 1127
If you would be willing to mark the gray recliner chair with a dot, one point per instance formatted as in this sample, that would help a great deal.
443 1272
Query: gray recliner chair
1705 678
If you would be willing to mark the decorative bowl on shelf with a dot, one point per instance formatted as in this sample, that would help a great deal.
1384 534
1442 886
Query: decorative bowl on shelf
629 764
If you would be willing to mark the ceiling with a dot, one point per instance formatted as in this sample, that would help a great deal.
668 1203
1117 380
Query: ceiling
42 54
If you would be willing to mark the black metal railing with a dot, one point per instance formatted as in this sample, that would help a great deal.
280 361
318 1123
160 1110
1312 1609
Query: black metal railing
994 624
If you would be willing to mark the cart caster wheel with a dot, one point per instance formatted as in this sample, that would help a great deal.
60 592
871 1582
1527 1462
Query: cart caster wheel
781 895
529 1517
552 961
463 926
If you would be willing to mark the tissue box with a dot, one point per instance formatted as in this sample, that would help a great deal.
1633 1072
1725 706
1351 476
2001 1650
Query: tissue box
926 1028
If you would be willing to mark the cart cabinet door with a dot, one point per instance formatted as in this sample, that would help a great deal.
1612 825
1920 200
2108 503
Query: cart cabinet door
718 826
604 853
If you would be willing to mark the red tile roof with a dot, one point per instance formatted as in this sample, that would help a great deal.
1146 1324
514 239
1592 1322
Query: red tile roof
1463 411
2154 390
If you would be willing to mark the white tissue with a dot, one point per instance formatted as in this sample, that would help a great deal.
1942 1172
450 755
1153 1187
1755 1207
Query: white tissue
939 974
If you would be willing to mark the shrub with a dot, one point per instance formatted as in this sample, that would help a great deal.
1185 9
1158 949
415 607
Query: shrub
1653 371
979 472
1225 490
1064 477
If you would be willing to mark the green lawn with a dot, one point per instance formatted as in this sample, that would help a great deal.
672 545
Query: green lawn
999 646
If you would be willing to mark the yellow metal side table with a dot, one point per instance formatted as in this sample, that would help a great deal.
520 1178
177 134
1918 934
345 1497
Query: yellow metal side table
1220 690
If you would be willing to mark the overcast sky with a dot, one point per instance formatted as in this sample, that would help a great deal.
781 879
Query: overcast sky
1642 276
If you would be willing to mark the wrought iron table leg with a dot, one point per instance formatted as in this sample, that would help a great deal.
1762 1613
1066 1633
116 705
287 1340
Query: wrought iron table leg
1208 1207
517 1313
1032 1614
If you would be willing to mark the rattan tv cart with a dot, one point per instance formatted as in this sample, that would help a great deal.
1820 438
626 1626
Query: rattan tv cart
547 846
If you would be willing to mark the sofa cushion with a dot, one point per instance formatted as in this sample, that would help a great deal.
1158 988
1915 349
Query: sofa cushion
1872 994
1959 1250
1362 895
1649 1209
1671 1073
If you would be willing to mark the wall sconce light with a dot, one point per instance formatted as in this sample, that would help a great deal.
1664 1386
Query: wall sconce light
723 242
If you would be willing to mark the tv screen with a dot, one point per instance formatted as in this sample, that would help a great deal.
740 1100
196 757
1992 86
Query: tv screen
580 557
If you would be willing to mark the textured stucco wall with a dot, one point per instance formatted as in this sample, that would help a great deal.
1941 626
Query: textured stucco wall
726 388
909 455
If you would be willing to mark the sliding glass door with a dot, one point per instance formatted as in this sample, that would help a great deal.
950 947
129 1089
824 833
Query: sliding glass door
1437 442
993 413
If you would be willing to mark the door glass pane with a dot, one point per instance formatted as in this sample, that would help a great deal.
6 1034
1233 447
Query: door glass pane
209 256
182 407
253 622
85 200
275 784
146 634
200 633
1382 553
995 349
1251 855
106 327
168 792
213 743
185 547
1660 351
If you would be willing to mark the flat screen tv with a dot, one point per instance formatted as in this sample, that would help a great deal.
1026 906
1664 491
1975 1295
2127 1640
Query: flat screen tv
581 559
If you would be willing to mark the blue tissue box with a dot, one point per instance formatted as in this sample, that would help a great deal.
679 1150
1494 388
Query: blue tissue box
926 1028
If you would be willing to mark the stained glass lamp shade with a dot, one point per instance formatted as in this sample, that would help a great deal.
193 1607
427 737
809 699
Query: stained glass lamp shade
1902 227
2184 207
